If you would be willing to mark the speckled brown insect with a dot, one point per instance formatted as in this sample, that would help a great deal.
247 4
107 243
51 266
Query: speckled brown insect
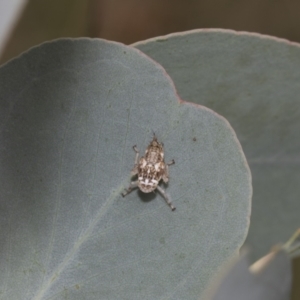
150 168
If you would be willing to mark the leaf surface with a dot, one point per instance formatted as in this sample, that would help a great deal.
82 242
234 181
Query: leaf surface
254 82
71 110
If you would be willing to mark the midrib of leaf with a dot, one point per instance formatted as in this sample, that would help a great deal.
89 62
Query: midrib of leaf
78 243
58 192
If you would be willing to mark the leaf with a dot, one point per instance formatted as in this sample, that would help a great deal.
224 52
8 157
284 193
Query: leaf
253 81
273 282
71 110
46 20
10 11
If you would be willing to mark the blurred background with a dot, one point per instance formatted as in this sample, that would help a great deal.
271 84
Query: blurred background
26 23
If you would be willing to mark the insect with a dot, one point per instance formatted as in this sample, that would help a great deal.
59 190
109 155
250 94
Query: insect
150 169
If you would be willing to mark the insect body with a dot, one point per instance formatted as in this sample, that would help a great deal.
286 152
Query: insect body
150 168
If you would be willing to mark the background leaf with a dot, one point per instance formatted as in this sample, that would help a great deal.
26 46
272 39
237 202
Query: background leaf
70 112
272 282
43 21
253 81
9 13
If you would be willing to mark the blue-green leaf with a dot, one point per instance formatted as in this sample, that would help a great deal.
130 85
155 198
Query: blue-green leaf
71 110
254 82
272 281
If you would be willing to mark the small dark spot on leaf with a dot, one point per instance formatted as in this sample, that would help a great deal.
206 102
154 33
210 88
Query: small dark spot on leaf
125 52
77 286
182 256
194 139
162 240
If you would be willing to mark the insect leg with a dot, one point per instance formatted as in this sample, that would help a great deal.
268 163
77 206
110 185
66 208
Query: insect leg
134 171
165 176
132 185
163 193
172 162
